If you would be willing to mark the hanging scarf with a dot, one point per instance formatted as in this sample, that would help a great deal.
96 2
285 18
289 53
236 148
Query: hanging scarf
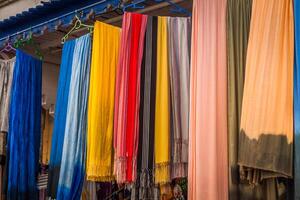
24 136
147 112
60 117
297 101
101 102
266 135
128 101
208 166
178 45
238 26
6 76
72 169
162 106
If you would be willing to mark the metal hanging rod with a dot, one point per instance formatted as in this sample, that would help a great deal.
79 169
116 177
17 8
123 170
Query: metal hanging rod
53 20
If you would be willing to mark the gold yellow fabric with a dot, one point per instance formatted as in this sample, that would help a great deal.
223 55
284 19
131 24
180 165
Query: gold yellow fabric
46 136
162 107
105 53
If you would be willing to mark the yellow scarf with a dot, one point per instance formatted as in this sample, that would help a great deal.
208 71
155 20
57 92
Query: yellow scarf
162 110
101 102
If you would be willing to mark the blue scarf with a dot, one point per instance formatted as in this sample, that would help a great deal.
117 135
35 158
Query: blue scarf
72 169
60 117
24 128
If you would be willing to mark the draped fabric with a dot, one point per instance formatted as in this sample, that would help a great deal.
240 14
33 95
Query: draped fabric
179 64
266 136
24 136
297 101
208 166
6 76
60 117
127 101
147 112
101 102
46 137
238 26
72 169
162 106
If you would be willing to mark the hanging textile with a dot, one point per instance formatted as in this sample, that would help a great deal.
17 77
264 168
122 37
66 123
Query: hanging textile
297 101
6 76
147 112
24 136
179 63
162 106
127 102
46 136
101 102
266 135
238 26
208 166
60 117
72 169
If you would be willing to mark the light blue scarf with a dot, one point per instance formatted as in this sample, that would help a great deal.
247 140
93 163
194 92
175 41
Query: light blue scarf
72 169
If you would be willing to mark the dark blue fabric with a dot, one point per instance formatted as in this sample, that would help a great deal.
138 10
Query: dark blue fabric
60 117
297 100
24 128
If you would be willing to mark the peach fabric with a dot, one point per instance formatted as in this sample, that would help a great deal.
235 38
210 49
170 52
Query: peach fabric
208 165
268 91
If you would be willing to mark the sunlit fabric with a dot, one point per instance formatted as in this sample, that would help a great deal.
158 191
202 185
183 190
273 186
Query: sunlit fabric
24 137
208 165
105 52
162 143
72 171
266 132
60 117
127 101
179 70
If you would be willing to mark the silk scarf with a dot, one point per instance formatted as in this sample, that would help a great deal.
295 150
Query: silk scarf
162 145
238 27
147 113
128 90
24 136
101 102
72 169
297 100
179 69
208 165
266 135
61 106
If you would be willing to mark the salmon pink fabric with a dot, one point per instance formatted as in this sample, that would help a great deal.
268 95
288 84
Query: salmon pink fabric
208 166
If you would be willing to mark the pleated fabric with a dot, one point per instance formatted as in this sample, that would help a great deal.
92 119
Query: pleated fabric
179 69
297 101
162 142
72 169
6 76
266 136
24 136
46 137
127 104
105 54
147 112
238 27
208 165
60 114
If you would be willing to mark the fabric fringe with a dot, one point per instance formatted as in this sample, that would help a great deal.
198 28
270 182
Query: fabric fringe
99 173
120 169
162 173
179 170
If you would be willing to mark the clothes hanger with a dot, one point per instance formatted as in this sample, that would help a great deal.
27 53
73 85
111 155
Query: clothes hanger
8 47
29 41
78 24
